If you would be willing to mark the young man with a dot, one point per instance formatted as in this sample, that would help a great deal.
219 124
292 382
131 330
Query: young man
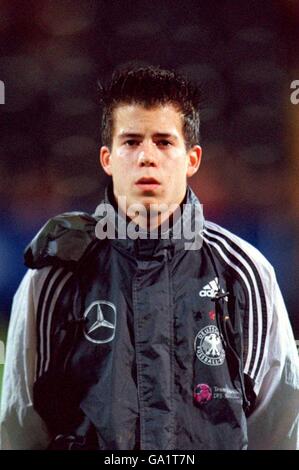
172 336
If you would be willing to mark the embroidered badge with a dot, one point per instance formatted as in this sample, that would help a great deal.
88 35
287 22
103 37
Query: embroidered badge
208 346
100 319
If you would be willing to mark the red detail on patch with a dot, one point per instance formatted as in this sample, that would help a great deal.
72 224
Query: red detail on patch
212 315
202 393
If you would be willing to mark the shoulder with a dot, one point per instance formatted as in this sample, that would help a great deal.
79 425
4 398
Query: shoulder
233 248
39 287
61 241
257 277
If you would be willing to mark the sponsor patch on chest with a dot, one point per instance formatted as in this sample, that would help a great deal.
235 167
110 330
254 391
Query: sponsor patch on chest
100 322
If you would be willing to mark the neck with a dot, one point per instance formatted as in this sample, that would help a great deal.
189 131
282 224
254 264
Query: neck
150 218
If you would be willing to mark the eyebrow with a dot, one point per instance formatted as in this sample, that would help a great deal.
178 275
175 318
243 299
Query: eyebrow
134 135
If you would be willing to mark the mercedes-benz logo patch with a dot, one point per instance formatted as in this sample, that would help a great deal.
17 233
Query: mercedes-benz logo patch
208 346
100 322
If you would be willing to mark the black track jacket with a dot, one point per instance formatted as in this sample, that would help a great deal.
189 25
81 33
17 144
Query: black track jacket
144 344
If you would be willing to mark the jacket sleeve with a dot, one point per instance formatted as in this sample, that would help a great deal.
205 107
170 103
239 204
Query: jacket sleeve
274 423
20 425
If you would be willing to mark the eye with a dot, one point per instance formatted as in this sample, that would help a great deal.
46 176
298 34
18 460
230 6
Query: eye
164 143
131 142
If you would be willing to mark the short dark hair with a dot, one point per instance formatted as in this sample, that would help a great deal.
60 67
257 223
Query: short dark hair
150 86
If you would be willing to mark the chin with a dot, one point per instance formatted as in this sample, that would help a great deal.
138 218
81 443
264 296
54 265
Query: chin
147 201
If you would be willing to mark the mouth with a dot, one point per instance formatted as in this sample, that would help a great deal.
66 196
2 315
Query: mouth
147 183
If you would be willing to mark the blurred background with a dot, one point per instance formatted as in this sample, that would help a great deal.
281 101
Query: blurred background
244 54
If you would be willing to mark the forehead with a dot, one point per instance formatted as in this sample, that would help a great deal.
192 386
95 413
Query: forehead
138 119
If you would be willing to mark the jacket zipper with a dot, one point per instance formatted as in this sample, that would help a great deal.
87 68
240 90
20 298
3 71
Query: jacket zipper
167 257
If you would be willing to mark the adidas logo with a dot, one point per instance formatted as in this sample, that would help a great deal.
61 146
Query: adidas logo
211 289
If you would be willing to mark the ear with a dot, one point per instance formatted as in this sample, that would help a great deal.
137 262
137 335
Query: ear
194 159
105 160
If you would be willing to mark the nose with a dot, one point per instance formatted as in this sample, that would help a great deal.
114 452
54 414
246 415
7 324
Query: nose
146 156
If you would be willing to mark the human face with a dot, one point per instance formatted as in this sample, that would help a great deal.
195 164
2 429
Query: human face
148 162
